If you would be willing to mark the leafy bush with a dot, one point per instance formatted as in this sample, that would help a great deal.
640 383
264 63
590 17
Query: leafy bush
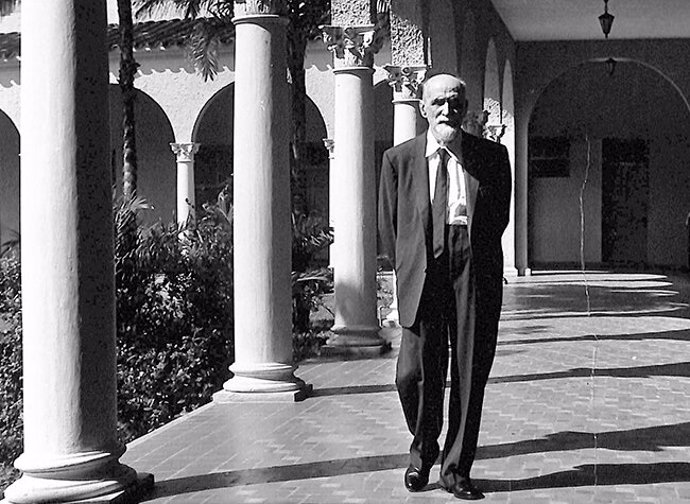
174 318
310 234
11 426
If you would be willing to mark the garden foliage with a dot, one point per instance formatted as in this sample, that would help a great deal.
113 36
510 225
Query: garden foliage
174 300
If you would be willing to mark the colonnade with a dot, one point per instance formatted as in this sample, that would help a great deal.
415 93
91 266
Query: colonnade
71 451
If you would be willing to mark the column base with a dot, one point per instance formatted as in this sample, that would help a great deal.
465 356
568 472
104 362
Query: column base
355 342
524 271
28 489
392 319
263 382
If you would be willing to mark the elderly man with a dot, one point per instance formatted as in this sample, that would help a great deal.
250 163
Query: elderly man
443 206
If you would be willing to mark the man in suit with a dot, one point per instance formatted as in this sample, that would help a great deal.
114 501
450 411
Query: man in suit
443 205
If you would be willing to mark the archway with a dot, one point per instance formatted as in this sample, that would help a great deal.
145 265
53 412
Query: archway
214 130
620 142
156 172
9 180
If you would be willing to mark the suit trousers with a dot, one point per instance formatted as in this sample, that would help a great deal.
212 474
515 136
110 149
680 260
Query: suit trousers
446 319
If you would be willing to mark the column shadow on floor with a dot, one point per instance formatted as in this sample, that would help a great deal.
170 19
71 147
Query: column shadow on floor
596 475
677 369
652 439
295 472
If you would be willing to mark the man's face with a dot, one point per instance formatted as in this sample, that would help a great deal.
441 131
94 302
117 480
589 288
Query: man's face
443 105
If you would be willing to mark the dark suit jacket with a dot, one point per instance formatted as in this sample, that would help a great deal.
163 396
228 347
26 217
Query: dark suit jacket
405 225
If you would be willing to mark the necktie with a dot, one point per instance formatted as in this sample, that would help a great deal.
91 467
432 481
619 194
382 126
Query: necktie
440 204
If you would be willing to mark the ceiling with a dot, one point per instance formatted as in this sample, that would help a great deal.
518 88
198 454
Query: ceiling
578 19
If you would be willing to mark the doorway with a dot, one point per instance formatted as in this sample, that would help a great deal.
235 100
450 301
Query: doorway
625 201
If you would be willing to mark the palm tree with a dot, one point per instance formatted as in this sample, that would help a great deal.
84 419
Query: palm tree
128 69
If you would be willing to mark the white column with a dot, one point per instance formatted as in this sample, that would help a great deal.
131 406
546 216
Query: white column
356 328
71 450
521 198
263 367
184 153
405 82
332 194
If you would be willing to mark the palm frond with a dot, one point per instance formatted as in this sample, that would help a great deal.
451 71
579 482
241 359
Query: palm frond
7 7
203 47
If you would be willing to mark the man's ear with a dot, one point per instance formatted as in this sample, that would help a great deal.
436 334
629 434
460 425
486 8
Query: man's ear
422 109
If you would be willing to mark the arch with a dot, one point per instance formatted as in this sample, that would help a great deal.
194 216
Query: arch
9 179
156 163
587 110
214 130
492 92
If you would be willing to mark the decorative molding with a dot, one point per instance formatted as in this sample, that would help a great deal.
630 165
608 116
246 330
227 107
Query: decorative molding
258 7
329 143
494 132
406 80
352 46
185 151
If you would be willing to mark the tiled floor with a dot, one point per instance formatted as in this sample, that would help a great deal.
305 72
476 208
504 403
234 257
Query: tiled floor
588 402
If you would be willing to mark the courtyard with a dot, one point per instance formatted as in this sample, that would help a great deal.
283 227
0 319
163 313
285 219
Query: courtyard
588 402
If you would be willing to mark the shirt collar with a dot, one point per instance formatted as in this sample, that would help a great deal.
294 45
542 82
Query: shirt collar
432 146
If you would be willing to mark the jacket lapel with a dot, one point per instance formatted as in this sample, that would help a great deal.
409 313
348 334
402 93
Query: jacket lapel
421 181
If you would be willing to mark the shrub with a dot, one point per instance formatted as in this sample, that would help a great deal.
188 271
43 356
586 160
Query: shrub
174 319
11 433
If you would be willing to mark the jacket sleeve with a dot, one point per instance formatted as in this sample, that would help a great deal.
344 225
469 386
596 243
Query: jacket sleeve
388 208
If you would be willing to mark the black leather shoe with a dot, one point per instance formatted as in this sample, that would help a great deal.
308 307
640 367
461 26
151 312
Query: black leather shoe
416 479
465 490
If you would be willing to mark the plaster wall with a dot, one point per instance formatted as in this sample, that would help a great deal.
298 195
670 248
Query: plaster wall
170 79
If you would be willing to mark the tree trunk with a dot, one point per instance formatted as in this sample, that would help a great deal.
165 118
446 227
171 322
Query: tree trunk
128 68
297 44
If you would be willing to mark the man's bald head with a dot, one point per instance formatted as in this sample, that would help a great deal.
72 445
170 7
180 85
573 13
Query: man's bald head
443 104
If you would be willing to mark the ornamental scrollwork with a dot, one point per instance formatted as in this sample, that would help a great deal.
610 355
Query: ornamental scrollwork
250 7
406 80
352 46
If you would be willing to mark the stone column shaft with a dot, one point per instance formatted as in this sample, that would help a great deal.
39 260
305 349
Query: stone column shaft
332 194
354 264
71 450
262 225
184 153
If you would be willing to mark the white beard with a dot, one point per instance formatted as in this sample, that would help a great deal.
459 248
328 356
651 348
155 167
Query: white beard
445 133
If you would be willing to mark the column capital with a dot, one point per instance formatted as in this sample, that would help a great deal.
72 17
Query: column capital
259 7
405 80
352 46
185 151
495 131
329 143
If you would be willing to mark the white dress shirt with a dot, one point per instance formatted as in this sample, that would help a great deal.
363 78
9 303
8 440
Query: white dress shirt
457 194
